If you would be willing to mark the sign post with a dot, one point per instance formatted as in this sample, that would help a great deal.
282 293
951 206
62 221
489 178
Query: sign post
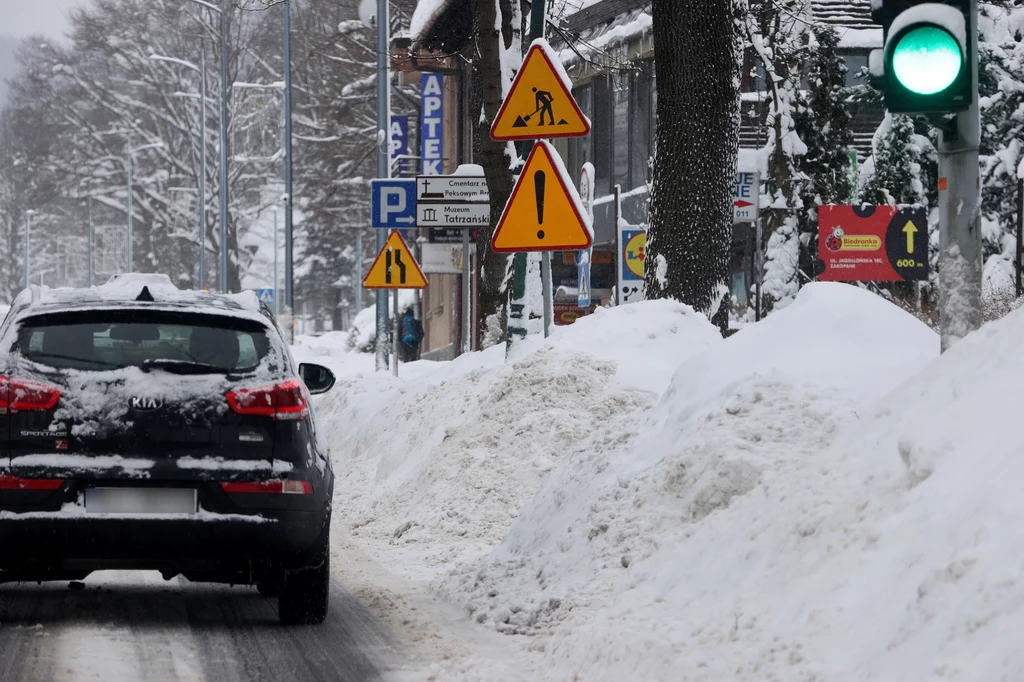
538 105
587 176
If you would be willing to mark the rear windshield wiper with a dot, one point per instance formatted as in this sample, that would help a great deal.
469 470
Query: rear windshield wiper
35 357
183 367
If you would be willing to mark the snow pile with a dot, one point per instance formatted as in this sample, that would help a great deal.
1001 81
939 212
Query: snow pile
437 464
736 423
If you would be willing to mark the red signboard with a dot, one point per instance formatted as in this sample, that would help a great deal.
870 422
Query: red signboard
868 243
567 313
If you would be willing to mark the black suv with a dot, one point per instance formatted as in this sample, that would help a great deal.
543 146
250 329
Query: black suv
149 428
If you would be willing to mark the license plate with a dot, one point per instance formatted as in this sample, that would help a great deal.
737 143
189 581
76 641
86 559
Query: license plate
140 501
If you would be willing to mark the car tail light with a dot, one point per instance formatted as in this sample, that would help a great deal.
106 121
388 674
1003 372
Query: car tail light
14 483
286 401
24 395
277 486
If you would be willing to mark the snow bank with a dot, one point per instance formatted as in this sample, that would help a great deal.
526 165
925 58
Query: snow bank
438 462
665 548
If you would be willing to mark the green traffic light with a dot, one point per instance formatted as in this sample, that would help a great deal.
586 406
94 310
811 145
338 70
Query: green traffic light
926 60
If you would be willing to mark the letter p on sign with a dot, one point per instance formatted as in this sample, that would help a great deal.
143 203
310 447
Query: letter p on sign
392 202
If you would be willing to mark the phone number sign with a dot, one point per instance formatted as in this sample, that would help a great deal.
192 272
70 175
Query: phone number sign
868 243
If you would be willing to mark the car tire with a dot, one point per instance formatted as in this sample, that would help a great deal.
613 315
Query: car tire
305 592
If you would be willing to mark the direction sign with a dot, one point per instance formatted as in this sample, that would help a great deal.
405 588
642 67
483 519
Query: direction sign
544 212
393 203
395 267
453 215
540 103
867 243
451 189
266 295
745 197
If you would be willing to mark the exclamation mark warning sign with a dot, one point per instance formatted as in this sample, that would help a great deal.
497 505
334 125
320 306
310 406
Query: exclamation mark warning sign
539 179
545 212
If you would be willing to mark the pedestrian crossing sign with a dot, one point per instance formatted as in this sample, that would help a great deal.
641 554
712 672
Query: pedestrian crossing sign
540 103
266 295
395 267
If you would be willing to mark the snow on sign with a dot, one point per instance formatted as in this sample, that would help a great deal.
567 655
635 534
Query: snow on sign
745 197
395 267
868 243
544 212
540 103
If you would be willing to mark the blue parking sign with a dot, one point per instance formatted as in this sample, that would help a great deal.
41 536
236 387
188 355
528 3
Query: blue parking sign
393 203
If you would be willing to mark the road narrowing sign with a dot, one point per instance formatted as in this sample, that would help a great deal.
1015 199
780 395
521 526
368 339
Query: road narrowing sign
395 267
540 103
544 212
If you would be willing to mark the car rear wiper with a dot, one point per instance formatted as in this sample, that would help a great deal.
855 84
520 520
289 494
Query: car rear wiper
34 357
183 367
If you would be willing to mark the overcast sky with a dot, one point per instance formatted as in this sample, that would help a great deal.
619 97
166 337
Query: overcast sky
26 17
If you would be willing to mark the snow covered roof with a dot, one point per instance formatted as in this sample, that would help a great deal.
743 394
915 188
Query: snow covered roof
441 24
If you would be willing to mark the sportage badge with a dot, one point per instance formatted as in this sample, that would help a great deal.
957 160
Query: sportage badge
146 403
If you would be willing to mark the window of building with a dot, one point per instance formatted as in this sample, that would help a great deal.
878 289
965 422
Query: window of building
855 63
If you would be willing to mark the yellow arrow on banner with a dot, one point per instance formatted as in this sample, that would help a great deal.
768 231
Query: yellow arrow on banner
910 229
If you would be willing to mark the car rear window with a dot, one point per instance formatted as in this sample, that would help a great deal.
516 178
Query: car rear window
103 340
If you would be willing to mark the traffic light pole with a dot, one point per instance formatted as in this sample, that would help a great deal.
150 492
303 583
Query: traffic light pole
960 251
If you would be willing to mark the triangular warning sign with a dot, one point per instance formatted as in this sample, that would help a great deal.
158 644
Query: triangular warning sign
540 104
395 267
544 212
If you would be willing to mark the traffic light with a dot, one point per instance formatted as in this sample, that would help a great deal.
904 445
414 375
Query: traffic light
926 62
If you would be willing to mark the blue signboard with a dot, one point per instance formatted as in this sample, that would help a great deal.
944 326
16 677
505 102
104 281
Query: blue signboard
266 295
432 123
399 142
393 203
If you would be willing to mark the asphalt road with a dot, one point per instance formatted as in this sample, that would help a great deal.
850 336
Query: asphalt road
136 627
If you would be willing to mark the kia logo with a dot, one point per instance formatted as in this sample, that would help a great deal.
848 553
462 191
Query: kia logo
146 403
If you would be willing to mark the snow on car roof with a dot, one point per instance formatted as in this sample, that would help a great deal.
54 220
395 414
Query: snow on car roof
126 289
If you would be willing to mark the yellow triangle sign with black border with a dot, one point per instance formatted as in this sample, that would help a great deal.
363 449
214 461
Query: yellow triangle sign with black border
395 267
544 212
539 104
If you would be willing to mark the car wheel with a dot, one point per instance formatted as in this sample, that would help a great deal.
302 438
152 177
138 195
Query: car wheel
304 594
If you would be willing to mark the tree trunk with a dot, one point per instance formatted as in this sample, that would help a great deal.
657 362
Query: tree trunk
690 238
487 78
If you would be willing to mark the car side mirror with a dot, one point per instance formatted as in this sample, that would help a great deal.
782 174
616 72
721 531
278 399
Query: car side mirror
318 379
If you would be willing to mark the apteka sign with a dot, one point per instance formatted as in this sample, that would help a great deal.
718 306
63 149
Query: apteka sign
431 123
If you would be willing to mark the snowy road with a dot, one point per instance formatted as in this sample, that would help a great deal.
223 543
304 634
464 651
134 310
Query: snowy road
130 626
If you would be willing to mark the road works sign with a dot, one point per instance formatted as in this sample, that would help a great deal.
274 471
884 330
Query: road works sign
540 103
545 211
868 243
395 267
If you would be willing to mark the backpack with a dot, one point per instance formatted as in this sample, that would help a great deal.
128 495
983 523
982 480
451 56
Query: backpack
412 331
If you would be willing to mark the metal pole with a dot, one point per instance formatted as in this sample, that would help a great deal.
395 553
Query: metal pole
959 215
758 265
466 313
28 235
383 166
289 238
92 243
545 278
202 167
395 339
224 142
128 254
517 309
277 292
359 271
1020 235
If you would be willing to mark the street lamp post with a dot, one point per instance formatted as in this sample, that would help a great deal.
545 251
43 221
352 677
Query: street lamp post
201 70
28 235
289 241
277 292
223 231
